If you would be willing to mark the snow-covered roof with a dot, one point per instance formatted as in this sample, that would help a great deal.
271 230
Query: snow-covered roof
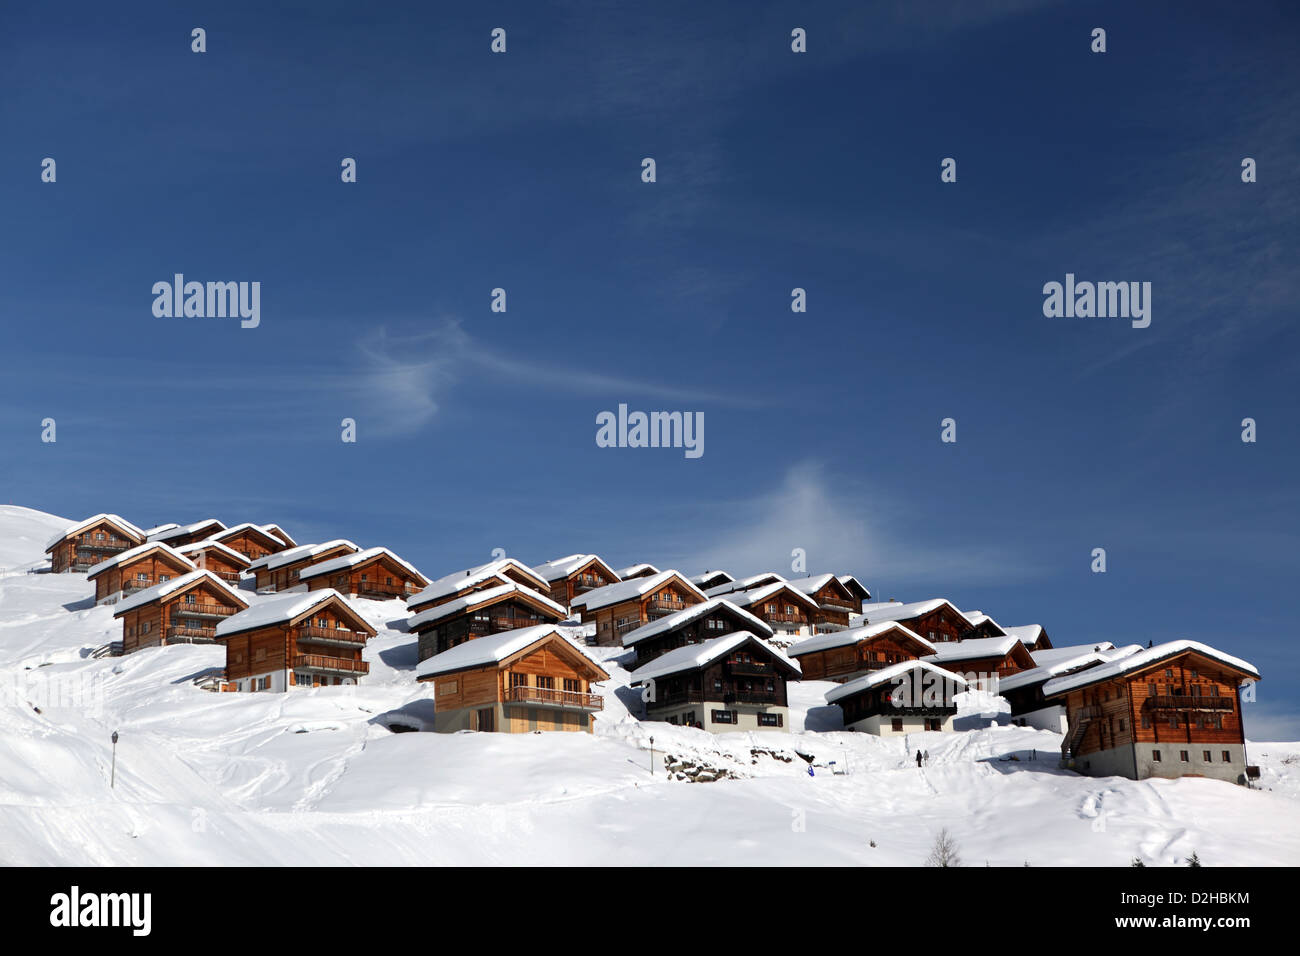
149 595
852 635
699 579
1055 664
1143 659
894 611
1027 633
150 532
213 545
813 583
694 656
485 596
278 610
976 647
628 590
495 648
744 584
352 560
132 553
887 675
121 523
459 580
633 569
181 530
275 530
301 553
1052 655
678 618
754 596
849 581
245 526
558 568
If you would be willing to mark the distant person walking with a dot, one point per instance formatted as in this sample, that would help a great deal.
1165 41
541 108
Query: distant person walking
918 760
927 758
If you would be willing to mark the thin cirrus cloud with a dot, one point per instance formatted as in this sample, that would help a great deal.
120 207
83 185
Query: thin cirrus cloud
417 373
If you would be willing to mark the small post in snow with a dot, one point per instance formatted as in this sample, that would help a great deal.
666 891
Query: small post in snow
112 780
652 756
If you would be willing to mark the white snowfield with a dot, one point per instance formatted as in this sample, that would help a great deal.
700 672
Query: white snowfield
316 777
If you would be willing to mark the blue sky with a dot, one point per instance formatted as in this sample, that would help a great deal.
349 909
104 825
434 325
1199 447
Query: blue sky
476 430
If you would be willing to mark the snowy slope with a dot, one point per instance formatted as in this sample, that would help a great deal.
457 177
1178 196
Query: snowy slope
315 777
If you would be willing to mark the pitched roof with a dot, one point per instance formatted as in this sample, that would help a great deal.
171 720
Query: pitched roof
762 593
678 618
1054 654
634 569
286 607
694 656
1028 633
301 553
895 611
495 648
359 557
628 590
459 580
212 545
699 579
132 553
1144 658
120 523
149 595
850 582
974 648
744 584
887 674
181 530
246 526
487 596
853 635
1078 657
558 568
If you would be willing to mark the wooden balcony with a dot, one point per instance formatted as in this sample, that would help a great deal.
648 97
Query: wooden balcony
547 697
495 625
749 697
191 634
186 609
320 664
380 591
1187 702
628 626
796 619
336 636
660 607
109 546
581 587
749 668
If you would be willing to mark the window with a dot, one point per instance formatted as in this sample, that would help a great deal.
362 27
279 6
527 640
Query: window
486 719
1227 757
717 684
572 686
1169 672
191 598
896 724
1155 755
1182 755
546 683
518 680
1121 725
141 576
724 716
1205 755
769 720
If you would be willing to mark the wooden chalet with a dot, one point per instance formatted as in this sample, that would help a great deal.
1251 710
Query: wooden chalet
936 620
694 625
981 625
312 639
226 563
185 610
711 579
574 574
635 571
278 532
279 572
86 543
782 607
1171 710
458 584
846 655
835 602
736 682
375 573
859 591
507 607
136 569
251 540
1033 636
984 661
182 534
904 698
1023 690
617 609
514 682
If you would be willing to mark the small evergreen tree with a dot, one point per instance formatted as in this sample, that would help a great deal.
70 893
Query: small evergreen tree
1137 862
1193 860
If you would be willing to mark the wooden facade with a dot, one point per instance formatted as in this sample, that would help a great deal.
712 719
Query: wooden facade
784 608
224 562
505 608
182 535
983 660
1179 715
313 644
136 570
907 697
279 572
637 602
251 541
861 651
92 541
937 621
185 610
567 578
835 602
453 587
544 685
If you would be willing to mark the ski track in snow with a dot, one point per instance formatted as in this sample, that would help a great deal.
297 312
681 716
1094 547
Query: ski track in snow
311 777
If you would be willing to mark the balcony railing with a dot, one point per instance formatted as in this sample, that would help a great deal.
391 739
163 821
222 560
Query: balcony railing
783 618
183 634
628 626
112 544
554 698
749 697
1188 702
836 604
581 587
749 668
378 589
495 625
659 606
330 635
186 609
329 665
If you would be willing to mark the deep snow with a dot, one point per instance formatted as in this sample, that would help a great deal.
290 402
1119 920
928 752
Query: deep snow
316 776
